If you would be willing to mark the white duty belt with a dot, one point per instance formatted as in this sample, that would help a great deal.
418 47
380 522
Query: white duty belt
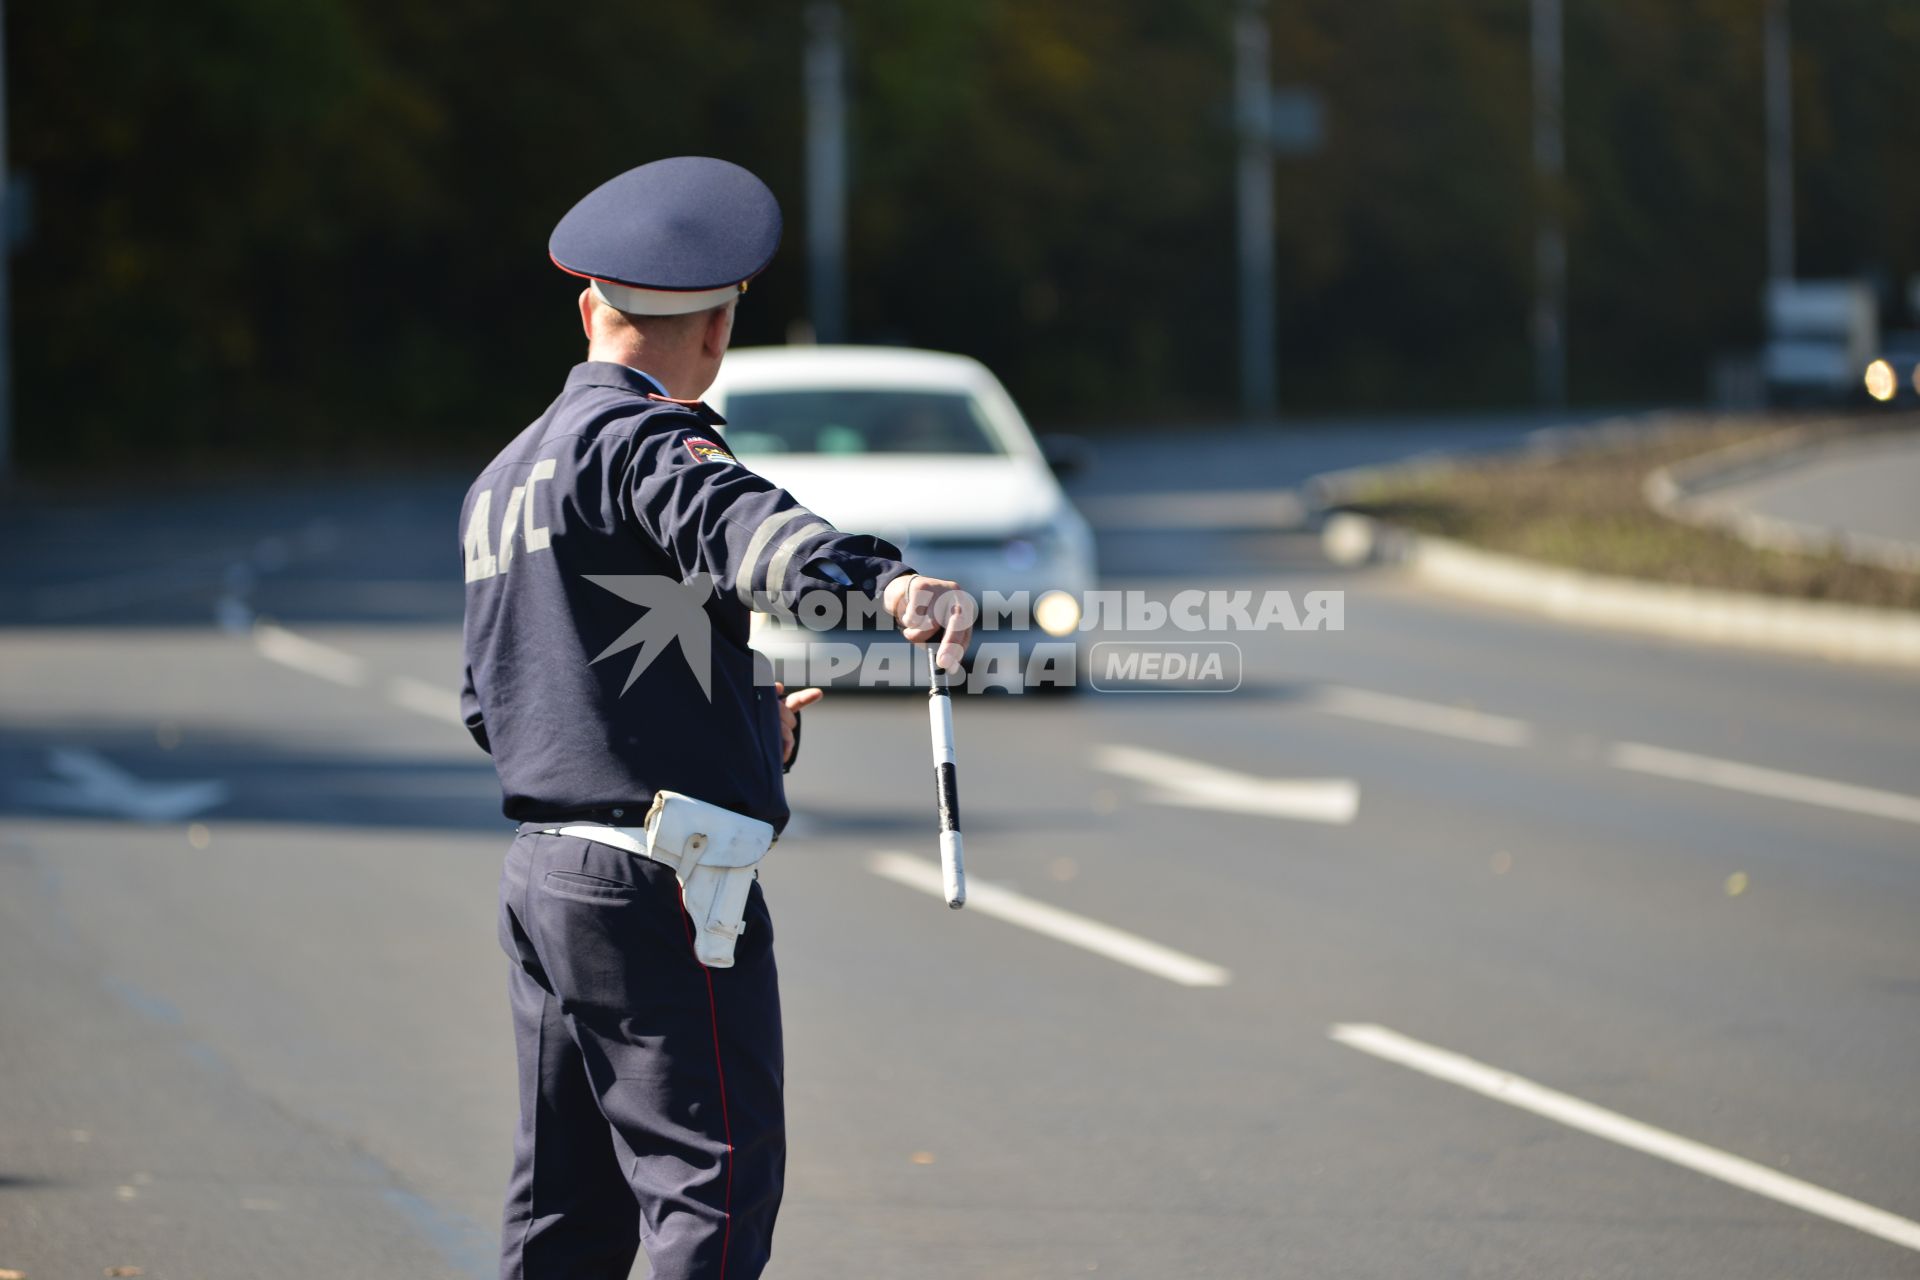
713 853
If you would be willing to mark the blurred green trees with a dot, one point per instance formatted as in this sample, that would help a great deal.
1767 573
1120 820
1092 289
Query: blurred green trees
317 228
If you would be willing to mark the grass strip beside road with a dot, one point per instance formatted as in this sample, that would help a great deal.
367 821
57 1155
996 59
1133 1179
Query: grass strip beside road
1584 509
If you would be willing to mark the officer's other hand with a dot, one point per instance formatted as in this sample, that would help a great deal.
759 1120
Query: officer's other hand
927 608
790 704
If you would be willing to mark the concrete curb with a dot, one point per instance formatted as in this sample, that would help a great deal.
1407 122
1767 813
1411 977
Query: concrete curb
1845 633
1684 490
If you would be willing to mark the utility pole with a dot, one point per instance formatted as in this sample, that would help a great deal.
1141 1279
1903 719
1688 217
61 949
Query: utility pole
1550 235
1253 99
1779 72
826 172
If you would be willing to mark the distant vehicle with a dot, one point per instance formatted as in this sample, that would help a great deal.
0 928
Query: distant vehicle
928 451
1821 335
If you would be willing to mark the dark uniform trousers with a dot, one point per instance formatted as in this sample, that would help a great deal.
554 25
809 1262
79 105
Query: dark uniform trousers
650 1085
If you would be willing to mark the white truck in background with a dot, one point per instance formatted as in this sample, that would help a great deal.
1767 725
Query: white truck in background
1821 336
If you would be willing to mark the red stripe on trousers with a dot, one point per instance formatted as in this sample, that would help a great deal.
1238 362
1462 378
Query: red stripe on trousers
720 1071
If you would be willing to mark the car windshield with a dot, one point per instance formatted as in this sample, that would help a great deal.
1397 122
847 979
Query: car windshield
841 421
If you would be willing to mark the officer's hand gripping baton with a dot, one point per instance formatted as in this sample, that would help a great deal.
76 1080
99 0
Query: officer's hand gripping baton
953 869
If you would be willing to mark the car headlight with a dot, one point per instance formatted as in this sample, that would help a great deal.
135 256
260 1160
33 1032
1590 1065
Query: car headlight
1057 613
1882 382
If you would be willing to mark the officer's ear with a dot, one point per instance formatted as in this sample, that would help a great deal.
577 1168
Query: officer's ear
586 312
719 331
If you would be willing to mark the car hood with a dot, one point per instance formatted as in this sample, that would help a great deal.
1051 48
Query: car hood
901 498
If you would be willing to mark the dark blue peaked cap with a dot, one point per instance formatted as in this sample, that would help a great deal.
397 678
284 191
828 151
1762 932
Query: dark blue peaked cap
670 237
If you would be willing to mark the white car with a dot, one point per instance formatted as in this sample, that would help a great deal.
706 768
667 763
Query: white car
928 451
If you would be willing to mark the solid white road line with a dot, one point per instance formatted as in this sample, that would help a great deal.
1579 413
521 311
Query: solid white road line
425 699
1734 776
310 656
1517 1091
1178 781
1427 717
1062 926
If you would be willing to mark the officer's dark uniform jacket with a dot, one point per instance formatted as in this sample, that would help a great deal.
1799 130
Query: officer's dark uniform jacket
615 482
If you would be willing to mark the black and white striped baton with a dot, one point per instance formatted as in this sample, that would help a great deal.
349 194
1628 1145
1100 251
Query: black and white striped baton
953 868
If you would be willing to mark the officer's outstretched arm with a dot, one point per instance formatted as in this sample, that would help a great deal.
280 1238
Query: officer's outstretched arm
754 539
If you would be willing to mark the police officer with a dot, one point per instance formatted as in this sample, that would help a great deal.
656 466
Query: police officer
613 552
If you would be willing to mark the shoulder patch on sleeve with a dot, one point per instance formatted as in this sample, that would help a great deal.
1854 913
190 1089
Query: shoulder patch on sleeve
705 450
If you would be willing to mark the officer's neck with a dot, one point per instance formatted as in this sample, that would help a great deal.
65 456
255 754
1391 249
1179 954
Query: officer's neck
684 375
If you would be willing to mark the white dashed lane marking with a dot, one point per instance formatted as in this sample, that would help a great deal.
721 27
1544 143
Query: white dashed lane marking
277 644
1755 780
1062 926
1425 717
311 657
425 699
1517 1091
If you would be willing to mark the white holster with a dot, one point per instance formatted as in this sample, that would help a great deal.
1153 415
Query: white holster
713 853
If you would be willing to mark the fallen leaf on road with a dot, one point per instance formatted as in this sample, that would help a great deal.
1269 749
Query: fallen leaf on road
126 1271
7 1273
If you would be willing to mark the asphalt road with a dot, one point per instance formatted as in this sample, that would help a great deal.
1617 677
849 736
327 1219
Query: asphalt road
263 1032
1866 488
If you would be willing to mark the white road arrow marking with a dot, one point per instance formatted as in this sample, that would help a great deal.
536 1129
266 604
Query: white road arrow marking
92 783
1189 783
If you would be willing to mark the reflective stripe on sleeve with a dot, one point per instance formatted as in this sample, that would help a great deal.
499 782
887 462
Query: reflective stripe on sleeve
758 543
777 566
